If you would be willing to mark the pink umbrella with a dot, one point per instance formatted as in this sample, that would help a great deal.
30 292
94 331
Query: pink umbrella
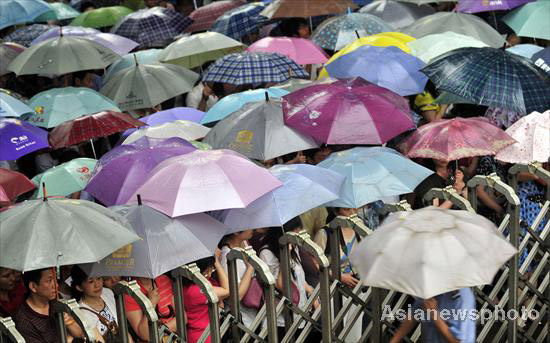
453 139
350 111
204 180
203 17
300 50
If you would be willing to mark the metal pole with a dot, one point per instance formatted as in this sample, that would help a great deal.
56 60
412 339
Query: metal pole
334 241
61 329
178 303
234 301
287 290
121 316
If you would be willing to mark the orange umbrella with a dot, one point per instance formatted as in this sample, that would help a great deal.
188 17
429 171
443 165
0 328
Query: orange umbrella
306 8
13 184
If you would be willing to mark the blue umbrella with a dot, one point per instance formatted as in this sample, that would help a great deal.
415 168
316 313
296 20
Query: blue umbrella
372 174
388 67
10 106
542 59
18 138
144 57
234 102
240 21
21 11
304 187
27 34
525 50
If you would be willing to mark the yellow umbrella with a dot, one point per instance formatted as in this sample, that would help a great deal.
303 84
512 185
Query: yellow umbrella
383 39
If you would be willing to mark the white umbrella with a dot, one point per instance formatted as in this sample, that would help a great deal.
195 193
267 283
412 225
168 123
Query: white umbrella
185 129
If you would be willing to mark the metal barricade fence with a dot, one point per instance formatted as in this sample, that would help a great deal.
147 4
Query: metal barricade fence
8 332
71 307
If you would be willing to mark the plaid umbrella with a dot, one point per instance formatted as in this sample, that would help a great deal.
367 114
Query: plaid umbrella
27 34
240 21
253 67
492 77
83 129
152 27
203 17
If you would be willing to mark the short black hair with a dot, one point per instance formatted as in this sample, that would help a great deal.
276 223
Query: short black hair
81 74
292 224
78 276
33 276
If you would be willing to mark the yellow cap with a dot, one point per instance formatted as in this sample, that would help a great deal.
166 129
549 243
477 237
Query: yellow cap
425 102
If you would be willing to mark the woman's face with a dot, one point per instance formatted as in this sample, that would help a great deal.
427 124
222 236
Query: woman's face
92 287
245 235
303 31
459 175
440 163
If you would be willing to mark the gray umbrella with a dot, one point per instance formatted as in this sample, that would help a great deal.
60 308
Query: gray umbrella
257 131
397 14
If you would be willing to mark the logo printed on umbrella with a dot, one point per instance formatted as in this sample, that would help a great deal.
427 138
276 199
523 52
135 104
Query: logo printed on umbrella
131 95
39 109
85 171
120 259
244 136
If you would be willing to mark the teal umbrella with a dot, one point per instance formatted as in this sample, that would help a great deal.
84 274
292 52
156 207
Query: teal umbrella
59 11
530 20
58 105
143 56
11 106
64 179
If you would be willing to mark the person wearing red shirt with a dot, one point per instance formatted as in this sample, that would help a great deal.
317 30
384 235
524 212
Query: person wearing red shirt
12 293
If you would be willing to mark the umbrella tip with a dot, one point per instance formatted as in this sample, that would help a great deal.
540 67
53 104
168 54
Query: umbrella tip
357 34
266 96
135 59
44 192
61 31
139 199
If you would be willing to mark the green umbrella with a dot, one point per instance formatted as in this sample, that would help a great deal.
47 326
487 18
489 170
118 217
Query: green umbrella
62 55
55 231
434 45
530 20
451 98
101 17
201 145
59 11
64 179
147 85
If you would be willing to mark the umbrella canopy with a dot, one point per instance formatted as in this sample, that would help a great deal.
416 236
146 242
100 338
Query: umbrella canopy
525 50
397 14
304 187
83 129
56 31
453 139
13 184
149 56
57 105
337 32
492 77
258 131
27 34
306 8
58 11
532 134
62 55
253 67
431 46
8 52
183 129
372 174
232 103
542 59
173 114
300 50
152 27
204 16
465 250
120 172
347 112
218 179
101 17
387 67
193 51
18 138
467 6
21 11
239 21
465 24
530 20
424 2
11 106
147 85
31 233
64 179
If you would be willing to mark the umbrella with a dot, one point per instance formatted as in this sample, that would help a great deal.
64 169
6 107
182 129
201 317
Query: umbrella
173 114
525 50
62 55
183 129
501 117
306 8
13 184
467 6
8 52
149 56
453 139
27 34
10 106
57 105
337 32
253 67
85 128
21 11
542 59
465 24
152 27
120 172
431 46
304 187
231 103
387 67
55 232
372 174
18 138
193 51
165 245
347 112
239 21
397 14
101 17
530 20
258 131
300 50
58 11
492 77
203 17
465 250
532 134
64 179
147 85
217 180
56 31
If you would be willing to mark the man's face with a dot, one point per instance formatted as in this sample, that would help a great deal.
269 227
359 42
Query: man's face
87 81
151 3
46 287
7 279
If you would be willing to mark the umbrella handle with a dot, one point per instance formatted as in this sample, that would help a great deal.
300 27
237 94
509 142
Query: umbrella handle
44 191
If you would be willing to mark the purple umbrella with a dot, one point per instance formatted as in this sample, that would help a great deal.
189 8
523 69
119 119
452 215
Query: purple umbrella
18 138
469 6
173 114
66 30
120 172
347 112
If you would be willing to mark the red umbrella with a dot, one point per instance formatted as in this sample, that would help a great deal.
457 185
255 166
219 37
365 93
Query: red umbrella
13 184
203 17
